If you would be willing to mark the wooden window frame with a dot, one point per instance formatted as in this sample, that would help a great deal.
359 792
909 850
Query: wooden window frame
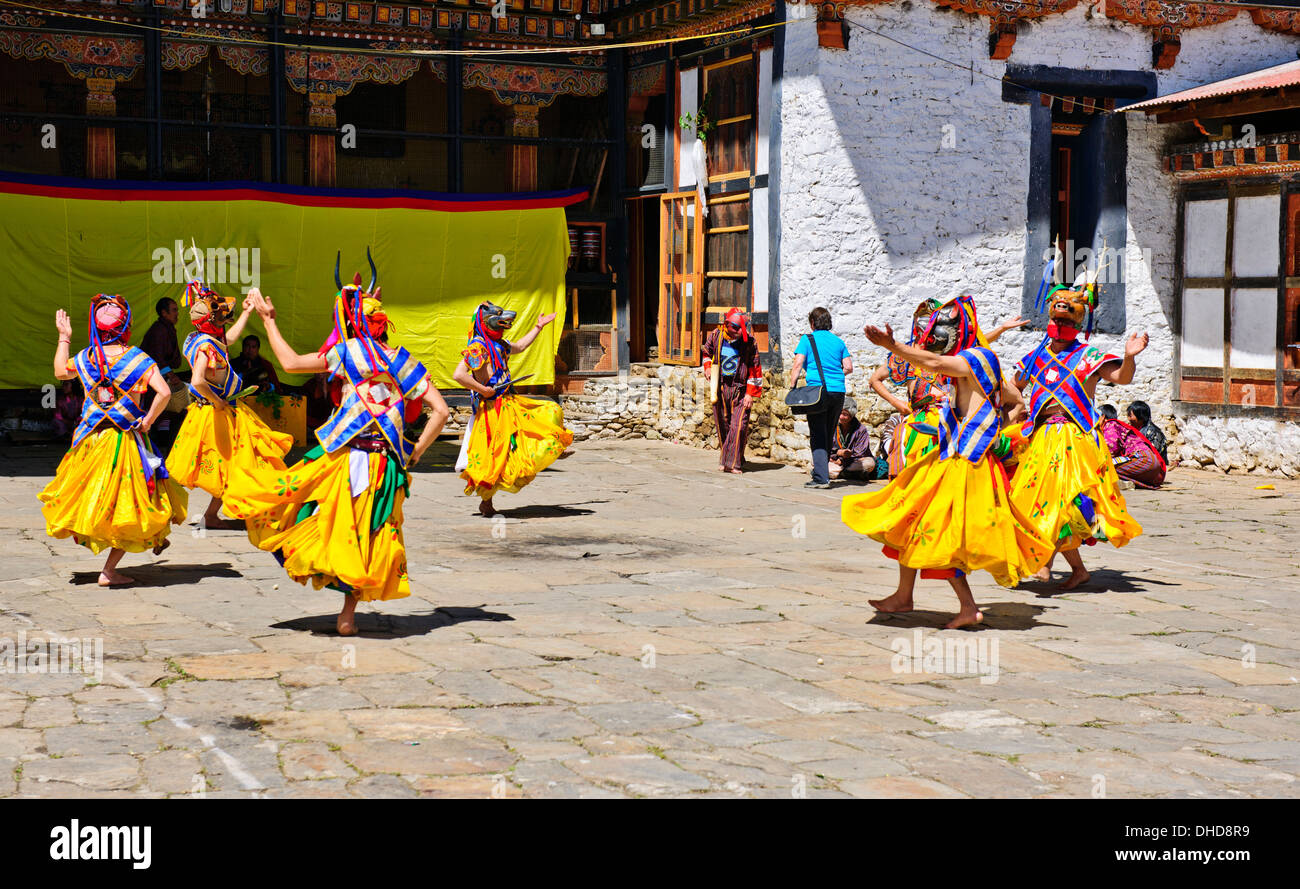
752 116
1279 376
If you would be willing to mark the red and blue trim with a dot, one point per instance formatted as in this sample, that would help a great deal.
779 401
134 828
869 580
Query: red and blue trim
299 196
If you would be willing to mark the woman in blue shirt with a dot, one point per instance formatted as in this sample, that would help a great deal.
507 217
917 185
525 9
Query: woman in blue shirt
836 364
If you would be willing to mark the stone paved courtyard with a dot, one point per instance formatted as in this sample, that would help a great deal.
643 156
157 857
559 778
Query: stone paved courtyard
640 625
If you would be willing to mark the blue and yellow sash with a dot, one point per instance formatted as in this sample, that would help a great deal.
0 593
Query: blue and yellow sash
971 438
350 360
129 368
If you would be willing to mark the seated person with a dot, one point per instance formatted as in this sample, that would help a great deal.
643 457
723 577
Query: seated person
1108 412
1136 459
320 403
851 451
1139 417
887 433
67 408
255 369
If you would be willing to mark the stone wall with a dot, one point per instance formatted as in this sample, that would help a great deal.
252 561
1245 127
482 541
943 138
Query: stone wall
670 403
903 177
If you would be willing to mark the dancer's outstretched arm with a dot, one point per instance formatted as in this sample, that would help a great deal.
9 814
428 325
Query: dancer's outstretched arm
527 339
877 383
290 361
947 365
64 325
1123 374
232 335
1004 327
433 398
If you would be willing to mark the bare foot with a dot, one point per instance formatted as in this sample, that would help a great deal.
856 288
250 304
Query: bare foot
895 604
347 621
721 468
736 471
223 525
487 509
964 619
1043 575
157 550
114 578
1077 577
566 455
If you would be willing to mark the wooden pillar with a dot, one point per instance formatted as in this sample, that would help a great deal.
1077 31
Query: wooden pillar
322 162
523 158
101 142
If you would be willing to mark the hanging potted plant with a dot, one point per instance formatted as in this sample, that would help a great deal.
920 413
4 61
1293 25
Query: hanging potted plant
701 124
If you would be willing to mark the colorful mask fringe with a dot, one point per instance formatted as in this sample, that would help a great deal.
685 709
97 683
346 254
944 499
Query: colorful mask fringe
117 333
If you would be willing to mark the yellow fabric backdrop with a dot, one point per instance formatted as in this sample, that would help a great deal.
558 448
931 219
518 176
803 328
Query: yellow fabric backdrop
435 267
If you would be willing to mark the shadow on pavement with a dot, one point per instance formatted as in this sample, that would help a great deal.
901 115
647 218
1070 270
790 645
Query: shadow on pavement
539 511
392 626
159 574
997 616
754 466
1103 580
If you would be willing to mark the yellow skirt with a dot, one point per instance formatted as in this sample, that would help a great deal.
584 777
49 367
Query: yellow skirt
1061 467
512 440
307 517
100 499
211 441
941 515
911 444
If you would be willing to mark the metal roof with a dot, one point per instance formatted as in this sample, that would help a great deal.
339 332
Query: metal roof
1278 76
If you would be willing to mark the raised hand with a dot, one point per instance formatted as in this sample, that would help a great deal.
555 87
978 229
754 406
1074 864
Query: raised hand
883 338
545 320
1012 324
1136 343
63 324
262 303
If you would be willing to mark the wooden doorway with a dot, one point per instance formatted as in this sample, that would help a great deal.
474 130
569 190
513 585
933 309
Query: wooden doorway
681 277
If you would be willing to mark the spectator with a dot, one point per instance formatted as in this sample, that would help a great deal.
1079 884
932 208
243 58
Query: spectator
884 468
160 343
837 365
851 453
1139 417
253 368
1108 412
1135 458
319 402
67 408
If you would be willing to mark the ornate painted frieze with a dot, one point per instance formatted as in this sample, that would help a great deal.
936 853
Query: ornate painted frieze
178 56
514 84
1168 21
112 58
337 73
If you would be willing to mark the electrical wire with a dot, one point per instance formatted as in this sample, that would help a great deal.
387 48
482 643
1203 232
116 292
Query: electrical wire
512 51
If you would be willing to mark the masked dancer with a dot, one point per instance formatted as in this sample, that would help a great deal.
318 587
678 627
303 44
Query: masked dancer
1066 481
218 431
948 513
111 490
914 435
513 437
335 518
